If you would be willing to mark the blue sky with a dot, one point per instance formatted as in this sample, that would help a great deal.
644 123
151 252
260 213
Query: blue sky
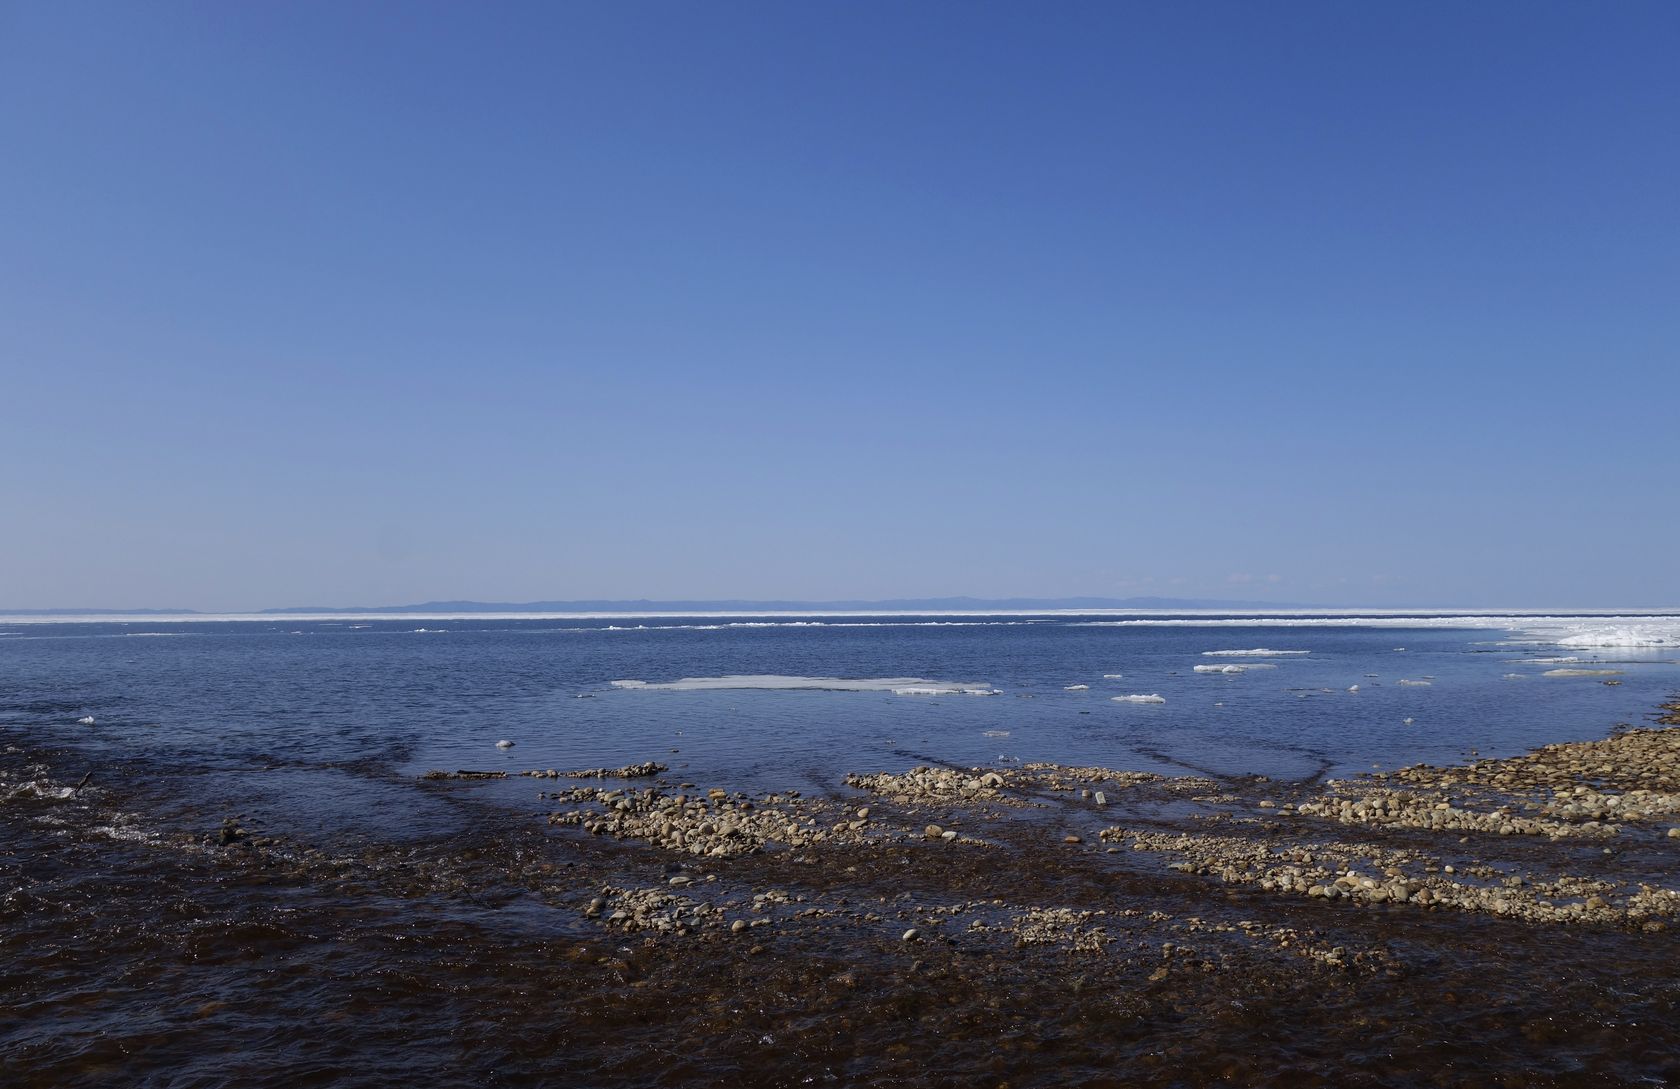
363 303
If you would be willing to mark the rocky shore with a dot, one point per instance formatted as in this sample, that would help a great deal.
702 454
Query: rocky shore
1164 926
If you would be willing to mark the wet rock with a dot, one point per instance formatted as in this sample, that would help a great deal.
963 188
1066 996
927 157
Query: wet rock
628 771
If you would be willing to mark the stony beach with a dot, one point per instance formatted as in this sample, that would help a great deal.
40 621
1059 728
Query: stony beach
1026 925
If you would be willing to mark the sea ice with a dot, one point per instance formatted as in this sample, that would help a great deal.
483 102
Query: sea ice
85 721
898 686
1113 676
1414 684
1244 668
1582 673
1076 688
1258 652
1139 699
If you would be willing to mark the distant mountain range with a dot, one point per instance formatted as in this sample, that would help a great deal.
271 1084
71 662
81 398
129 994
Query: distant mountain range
644 605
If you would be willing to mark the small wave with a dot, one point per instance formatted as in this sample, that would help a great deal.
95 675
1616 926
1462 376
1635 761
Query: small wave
125 834
41 788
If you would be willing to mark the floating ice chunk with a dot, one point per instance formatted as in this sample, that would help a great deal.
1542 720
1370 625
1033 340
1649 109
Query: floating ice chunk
1513 676
1582 673
1076 688
1409 683
1243 668
85 721
1653 633
900 686
1353 688
995 733
1564 660
1139 699
1258 652
504 744
1407 721
1113 676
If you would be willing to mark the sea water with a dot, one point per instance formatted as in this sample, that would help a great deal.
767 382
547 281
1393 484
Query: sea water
324 722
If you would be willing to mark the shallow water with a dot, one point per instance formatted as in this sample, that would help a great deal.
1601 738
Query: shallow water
396 930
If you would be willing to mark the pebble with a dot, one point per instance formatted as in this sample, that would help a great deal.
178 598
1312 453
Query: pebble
912 934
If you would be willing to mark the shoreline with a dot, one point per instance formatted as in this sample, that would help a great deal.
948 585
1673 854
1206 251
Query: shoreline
1174 930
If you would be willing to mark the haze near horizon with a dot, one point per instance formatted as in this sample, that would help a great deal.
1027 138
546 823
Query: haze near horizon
1305 303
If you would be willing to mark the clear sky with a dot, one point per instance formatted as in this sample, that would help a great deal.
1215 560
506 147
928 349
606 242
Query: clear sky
328 303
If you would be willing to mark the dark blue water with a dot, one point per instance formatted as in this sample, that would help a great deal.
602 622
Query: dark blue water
351 711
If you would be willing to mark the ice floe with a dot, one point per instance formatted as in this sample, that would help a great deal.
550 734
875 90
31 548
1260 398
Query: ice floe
1152 698
1076 688
1410 683
1113 676
1258 652
1582 673
1243 668
898 686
